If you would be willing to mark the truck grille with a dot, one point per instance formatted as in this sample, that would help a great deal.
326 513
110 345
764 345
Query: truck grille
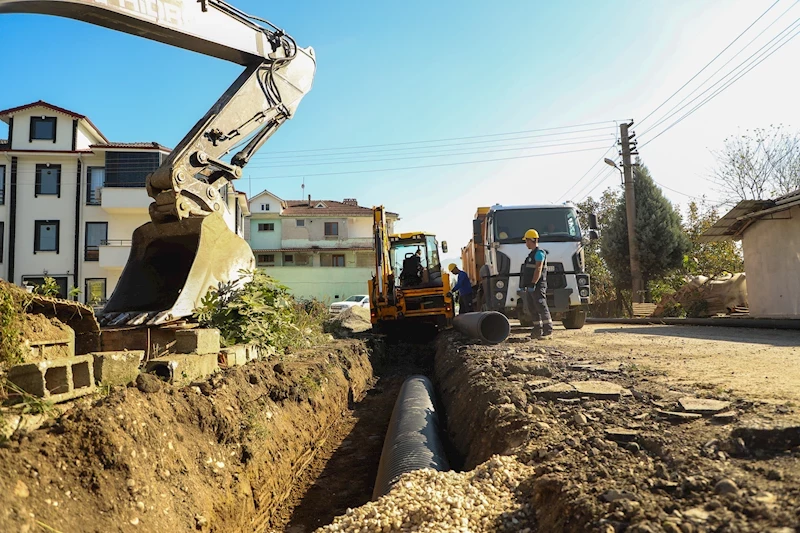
556 279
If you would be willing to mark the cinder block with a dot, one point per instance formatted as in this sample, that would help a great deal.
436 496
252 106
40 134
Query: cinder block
197 341
234 355
56 380
52 348
117 368
180 369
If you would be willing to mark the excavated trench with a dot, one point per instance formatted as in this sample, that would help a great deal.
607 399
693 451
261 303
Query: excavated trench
271 446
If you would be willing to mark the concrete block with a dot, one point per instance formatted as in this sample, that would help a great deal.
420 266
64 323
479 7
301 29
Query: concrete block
56 380
197 341
234 355
180 369
53 348
117 368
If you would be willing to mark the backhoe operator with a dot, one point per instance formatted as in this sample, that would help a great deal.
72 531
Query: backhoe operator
464 288
533 282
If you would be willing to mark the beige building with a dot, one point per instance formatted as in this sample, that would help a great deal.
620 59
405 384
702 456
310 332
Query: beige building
320 249
70 200
770 235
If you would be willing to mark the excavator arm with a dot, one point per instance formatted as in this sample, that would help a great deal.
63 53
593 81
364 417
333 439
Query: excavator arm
188 248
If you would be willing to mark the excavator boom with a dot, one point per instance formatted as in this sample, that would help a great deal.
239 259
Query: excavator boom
174 261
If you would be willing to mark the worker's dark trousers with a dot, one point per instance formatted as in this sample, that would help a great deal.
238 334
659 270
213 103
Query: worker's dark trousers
536 304
464 303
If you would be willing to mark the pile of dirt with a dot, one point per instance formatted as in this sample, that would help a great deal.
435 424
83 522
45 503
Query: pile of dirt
218 455
349 322
613 450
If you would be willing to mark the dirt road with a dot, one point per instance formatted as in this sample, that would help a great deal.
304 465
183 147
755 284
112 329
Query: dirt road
760 364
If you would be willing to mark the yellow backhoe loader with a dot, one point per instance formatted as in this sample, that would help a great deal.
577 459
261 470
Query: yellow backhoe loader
189 246
409 285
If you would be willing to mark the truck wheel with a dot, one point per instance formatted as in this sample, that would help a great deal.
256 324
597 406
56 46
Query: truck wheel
575 319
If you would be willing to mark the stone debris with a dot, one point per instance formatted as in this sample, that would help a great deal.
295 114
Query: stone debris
557 390
724 418
678 416
437 502
621 434
702 405
600 390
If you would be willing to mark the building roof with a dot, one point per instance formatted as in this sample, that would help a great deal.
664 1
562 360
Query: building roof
41 103
327 208
734 222
143 145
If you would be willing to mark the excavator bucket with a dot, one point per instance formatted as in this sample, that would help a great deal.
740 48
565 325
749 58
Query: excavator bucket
172 266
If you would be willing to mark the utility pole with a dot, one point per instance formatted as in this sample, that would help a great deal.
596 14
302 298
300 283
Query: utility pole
637 285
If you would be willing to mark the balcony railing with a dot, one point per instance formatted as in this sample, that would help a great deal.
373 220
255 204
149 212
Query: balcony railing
93 194
116 242
2 195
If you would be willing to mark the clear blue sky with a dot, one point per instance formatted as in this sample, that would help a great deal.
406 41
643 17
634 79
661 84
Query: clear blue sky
409 71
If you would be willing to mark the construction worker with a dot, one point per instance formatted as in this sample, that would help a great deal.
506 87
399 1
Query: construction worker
463 287
533 283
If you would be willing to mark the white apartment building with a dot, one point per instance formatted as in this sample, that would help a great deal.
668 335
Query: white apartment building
70 200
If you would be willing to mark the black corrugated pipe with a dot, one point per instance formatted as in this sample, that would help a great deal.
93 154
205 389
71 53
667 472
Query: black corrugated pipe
412 441
488 326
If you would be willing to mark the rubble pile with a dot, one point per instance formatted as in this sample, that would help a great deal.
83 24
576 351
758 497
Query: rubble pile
484 499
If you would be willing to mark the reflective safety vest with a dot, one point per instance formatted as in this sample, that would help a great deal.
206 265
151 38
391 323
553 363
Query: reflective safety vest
528 269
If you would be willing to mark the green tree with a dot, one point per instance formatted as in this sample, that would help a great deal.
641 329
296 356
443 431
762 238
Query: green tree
659 234
708 258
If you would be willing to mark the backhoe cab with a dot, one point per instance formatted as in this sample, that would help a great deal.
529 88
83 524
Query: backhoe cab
410 285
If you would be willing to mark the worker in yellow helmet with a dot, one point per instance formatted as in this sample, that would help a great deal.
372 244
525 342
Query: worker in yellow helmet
533 282
464 289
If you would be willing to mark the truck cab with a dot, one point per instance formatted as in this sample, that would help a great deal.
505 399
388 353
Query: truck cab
497 250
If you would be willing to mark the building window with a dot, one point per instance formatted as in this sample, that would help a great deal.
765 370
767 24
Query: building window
39 280
45 237
269 226
287 258
96 235
48 180
331 229
95 180
265 259
265 207
95 291
301 223
2 184
338 260
130 169
43 129
303 260
2 235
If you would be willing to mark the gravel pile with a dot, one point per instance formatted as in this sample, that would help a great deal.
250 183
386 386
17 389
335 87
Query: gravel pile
483 499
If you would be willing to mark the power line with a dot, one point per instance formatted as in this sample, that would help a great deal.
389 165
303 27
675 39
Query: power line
717 57
721 89
436 165
423 156
587 172
677 107
545 139
609 172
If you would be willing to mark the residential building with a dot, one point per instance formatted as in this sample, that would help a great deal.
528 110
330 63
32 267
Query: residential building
770 235
318 248
70 200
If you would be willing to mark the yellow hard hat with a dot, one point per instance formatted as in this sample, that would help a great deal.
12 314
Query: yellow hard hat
452 266
531 234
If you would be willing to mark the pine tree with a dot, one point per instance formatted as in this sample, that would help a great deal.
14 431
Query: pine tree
661 239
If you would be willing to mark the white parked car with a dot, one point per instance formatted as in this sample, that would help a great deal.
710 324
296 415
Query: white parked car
360 300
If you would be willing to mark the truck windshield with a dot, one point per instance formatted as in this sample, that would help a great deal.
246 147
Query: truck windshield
553 224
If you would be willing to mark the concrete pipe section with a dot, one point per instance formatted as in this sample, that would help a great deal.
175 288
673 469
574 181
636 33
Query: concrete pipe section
412 441
490 327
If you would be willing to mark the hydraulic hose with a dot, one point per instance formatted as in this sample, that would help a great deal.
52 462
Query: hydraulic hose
412 441
490 327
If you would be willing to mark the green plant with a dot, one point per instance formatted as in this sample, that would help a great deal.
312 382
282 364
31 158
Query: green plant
74 292
257 309
48 288
31 405
12 307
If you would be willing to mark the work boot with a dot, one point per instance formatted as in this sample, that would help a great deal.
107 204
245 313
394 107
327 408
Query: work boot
536 335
